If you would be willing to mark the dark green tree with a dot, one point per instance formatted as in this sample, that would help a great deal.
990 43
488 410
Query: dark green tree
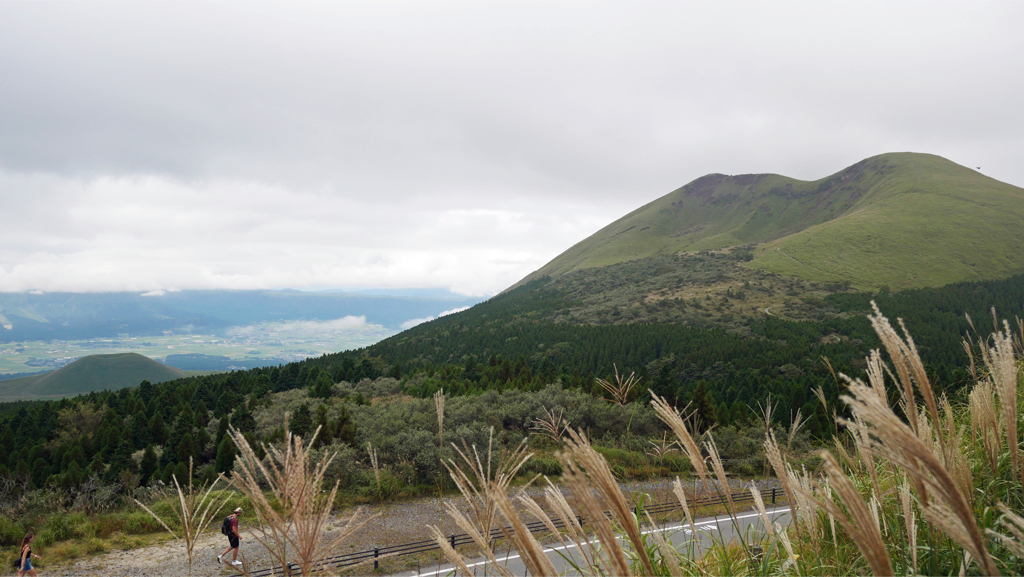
158 429
702 404
321 387
225 455
73 476
167 472
181 473
243 420
301 421
186 448
326 436
222 430
121 460
344 428
148 465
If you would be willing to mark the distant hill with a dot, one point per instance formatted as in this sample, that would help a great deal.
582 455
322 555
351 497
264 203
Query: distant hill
92 373
899 220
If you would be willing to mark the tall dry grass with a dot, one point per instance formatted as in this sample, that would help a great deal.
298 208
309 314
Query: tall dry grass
898 493
484 483
194 508
291 503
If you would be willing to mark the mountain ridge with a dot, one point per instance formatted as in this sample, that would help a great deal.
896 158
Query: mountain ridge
850 226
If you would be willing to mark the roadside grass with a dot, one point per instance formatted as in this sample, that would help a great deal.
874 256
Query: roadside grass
62 553
433 560
916 484
64 536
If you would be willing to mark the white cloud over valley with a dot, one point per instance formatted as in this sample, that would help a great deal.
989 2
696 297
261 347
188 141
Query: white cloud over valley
315 327
413 322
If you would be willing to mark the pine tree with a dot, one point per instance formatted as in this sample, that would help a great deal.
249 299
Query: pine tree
225 455
222 429
121 460
148 465
703 406
321 388
243 420
73 476
181 473
187 448
158 429
301 421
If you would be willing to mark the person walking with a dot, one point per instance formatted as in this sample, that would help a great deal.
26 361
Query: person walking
233 538
25 567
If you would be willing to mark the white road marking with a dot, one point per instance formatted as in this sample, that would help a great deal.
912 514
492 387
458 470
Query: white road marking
685 526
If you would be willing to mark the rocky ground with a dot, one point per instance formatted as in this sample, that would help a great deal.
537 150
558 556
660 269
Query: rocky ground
393 524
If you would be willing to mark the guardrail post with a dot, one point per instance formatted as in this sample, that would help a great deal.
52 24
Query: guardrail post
452 541
579 520
773 495
376 553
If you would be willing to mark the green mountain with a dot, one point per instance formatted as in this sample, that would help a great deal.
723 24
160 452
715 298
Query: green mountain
92 373
900 220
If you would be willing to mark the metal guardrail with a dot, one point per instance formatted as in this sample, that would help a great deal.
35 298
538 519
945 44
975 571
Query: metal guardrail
377 553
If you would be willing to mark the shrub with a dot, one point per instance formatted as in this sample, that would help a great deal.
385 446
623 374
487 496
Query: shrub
543 465
11 532
94 545
140 523
65 526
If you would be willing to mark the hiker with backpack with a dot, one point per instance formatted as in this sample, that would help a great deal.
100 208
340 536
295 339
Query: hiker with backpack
230 528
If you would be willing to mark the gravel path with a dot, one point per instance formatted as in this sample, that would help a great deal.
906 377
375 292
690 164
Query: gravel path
397 523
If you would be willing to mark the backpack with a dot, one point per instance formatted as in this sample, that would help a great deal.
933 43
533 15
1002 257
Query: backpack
225 527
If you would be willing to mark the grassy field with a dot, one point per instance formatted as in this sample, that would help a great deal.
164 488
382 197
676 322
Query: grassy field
904 220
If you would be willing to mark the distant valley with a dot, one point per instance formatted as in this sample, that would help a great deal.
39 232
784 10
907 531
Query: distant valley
204 330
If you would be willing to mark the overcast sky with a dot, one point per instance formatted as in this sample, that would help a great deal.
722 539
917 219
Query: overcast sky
172 146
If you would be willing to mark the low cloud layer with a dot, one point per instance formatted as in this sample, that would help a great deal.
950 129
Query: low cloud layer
413 322
319 327
151 147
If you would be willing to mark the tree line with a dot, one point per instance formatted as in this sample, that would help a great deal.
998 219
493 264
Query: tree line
503 344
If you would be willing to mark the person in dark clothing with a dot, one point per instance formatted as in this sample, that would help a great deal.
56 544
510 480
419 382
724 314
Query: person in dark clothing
233 538
25 568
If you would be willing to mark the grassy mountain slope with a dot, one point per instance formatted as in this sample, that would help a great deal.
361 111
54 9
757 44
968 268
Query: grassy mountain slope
92 373
905 220
930 222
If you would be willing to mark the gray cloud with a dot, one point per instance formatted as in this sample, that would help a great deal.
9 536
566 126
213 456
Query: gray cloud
159 146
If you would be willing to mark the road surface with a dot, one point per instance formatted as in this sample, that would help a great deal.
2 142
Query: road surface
680 533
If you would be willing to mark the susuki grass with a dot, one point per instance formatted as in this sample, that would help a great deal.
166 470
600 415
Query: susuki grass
194 508
916 483
294 511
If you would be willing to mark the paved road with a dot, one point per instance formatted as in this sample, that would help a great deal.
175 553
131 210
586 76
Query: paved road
680 533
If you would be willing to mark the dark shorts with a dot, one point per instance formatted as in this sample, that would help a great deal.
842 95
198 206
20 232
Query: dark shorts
233 539
28 564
